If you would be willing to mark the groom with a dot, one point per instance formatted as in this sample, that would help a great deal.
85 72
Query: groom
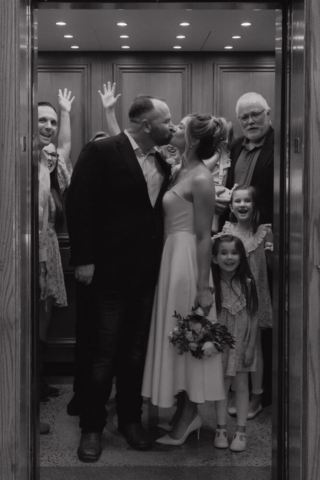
115 223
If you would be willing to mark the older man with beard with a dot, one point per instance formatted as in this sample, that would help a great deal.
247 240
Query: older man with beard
115 223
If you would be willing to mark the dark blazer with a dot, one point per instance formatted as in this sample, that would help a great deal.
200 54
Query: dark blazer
111 221
262 177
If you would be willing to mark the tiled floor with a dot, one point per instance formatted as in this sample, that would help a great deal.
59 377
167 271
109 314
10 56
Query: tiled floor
58 448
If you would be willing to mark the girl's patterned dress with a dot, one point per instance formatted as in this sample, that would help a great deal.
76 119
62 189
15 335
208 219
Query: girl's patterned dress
254 246
55 277
235 317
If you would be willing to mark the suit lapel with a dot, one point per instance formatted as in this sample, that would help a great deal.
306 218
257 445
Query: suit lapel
129 157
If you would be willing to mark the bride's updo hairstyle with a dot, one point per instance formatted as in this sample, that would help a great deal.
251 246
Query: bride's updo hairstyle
211 132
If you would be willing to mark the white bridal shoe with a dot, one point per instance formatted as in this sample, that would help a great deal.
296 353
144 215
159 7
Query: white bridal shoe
194 425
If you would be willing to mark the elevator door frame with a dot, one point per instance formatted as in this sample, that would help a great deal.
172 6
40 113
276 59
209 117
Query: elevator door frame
285 263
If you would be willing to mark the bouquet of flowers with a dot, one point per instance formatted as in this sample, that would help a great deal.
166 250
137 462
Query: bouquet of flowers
197 334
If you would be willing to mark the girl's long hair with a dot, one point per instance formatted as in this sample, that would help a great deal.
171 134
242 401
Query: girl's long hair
242 276
57 196
255 220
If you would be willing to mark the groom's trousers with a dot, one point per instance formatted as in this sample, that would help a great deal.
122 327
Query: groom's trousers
119 337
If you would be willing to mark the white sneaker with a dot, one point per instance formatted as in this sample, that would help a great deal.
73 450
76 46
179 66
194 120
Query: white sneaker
221 440
239 442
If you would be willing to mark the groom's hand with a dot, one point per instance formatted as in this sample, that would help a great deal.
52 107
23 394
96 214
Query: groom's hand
84 273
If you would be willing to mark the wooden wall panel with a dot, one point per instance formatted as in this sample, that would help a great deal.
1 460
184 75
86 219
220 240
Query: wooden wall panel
18 408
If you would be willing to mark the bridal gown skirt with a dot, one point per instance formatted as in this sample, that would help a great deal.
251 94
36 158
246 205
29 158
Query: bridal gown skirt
166 372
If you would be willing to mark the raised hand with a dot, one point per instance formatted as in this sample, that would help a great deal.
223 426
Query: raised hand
108 96
65 100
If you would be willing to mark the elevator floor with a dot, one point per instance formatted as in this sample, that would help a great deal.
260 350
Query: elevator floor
192 460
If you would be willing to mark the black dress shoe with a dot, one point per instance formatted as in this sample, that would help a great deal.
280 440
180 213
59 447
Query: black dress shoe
90 447
137 437
74 406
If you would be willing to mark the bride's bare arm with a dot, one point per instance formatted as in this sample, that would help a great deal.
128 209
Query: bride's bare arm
203 195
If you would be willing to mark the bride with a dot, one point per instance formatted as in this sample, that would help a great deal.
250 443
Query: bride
184 281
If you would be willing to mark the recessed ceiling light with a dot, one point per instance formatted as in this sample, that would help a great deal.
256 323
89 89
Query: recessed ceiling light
125 46
61 23
184 24
124 36
177 47
180 36
245 24
122 24
74 46
228 47
236 36
257 9
68 36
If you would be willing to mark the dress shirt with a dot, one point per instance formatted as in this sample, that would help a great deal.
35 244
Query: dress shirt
151 169
247 161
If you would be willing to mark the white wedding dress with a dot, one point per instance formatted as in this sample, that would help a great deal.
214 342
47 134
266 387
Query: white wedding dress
167 373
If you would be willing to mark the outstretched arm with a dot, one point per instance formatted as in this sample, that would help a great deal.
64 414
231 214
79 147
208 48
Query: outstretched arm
109 102
64 138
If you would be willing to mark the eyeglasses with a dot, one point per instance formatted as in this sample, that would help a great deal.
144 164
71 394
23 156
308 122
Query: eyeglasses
53 155
254 116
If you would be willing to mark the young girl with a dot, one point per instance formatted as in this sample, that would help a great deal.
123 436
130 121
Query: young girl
258 242
237 305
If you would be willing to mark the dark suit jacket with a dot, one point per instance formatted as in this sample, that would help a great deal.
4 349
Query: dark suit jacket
111 221
262 177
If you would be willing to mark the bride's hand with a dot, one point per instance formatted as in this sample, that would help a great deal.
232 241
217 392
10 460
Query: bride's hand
205 299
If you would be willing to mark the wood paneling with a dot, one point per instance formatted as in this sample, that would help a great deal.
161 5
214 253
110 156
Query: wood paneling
18 439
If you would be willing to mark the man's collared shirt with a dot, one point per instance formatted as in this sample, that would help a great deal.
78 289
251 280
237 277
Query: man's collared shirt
246 162
151 169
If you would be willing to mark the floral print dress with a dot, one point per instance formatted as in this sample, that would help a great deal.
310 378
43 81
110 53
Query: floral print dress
55 278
